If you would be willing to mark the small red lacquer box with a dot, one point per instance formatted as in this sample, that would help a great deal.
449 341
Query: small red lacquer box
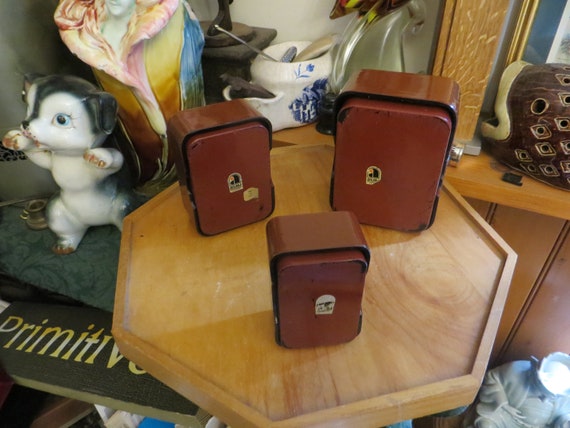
221 153
393 137
318 265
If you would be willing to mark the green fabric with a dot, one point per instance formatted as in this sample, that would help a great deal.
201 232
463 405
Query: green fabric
88 275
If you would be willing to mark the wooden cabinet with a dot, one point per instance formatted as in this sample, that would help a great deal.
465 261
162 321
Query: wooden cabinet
535 238
542 325
533 220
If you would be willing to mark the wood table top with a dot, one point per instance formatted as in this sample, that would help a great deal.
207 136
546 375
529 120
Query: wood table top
196 312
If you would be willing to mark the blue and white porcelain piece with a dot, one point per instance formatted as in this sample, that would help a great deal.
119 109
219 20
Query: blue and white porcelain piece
305 108
299 87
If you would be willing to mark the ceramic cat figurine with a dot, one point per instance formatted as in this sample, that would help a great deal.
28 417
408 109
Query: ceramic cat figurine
68 120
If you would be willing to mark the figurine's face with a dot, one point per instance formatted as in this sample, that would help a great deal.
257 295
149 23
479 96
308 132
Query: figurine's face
59 122
120 8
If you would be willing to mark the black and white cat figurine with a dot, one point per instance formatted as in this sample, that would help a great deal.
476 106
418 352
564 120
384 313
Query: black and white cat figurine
68 120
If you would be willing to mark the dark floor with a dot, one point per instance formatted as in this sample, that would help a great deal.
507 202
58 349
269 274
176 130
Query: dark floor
25 408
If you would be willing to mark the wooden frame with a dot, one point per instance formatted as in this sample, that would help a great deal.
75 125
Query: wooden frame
469 37
522 30
538 14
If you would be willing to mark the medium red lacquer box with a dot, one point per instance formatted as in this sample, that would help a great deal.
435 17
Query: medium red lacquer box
318 265
222 158
393 137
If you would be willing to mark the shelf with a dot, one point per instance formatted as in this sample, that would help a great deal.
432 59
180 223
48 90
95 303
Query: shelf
476 177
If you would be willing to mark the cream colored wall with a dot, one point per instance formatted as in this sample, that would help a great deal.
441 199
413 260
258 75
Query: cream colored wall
300 20
293 19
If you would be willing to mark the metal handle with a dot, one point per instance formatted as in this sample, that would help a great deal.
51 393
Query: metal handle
243 42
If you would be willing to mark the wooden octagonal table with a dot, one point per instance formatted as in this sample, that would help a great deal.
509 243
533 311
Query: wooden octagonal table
196 312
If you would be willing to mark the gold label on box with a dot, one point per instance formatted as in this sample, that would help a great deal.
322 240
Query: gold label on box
373 175
235 182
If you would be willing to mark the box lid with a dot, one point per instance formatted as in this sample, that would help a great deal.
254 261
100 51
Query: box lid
189 122
309 233
403 87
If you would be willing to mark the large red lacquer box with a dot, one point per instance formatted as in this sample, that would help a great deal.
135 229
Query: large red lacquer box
318 265
393 137
221 153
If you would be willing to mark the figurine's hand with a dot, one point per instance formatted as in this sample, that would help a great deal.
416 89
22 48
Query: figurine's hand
101 158
516 414
104 158
15 140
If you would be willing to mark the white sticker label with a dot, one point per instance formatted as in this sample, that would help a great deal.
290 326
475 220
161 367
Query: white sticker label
324 305
251 193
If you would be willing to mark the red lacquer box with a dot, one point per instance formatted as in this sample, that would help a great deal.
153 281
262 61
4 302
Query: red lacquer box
393 137
318 265
221 153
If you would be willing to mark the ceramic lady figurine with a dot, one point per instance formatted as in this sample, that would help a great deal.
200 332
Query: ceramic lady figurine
526 394
147 53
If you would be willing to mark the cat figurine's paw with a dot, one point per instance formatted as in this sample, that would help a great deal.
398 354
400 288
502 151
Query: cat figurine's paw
15 140
101 158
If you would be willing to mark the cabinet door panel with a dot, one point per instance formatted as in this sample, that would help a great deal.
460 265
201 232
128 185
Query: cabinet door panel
483 208
544 325
532 236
